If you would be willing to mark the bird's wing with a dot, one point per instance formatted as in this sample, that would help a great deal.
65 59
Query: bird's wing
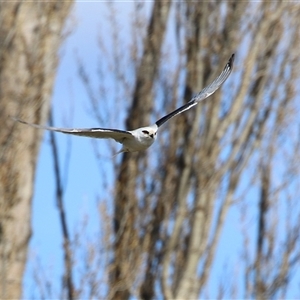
100 133
206 92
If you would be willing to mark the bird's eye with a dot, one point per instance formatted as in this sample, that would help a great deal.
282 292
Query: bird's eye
146 132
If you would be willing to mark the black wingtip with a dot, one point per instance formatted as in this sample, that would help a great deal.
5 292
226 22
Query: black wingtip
231 60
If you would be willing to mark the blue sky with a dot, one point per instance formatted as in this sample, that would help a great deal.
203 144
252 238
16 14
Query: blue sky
79 166
82 177
80 169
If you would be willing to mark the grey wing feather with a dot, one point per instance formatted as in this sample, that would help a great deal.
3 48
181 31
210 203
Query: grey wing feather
210 89
100 133
206 92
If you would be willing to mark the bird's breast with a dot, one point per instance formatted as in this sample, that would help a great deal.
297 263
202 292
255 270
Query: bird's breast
138 143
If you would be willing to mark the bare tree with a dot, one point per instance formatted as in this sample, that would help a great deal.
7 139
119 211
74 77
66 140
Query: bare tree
30 35
171 202
126 202
169 218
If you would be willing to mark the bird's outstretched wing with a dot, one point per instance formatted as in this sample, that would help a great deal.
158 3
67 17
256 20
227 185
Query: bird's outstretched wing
100 133
206 92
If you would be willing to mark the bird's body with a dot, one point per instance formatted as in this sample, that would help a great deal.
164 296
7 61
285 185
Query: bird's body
142 138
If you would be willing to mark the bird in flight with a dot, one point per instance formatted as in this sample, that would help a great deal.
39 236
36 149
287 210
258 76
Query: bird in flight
142 138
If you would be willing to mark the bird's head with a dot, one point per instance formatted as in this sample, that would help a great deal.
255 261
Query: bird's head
149 132
146 135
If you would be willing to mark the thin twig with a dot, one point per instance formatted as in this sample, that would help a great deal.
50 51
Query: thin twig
62 216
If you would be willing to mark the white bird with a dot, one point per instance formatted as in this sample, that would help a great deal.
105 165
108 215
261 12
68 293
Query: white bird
142 138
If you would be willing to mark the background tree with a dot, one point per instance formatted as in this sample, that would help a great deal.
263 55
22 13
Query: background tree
237 151
30 35
171 203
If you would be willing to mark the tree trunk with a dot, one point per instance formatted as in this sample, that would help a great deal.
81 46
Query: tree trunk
172 201
30 34
125 200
